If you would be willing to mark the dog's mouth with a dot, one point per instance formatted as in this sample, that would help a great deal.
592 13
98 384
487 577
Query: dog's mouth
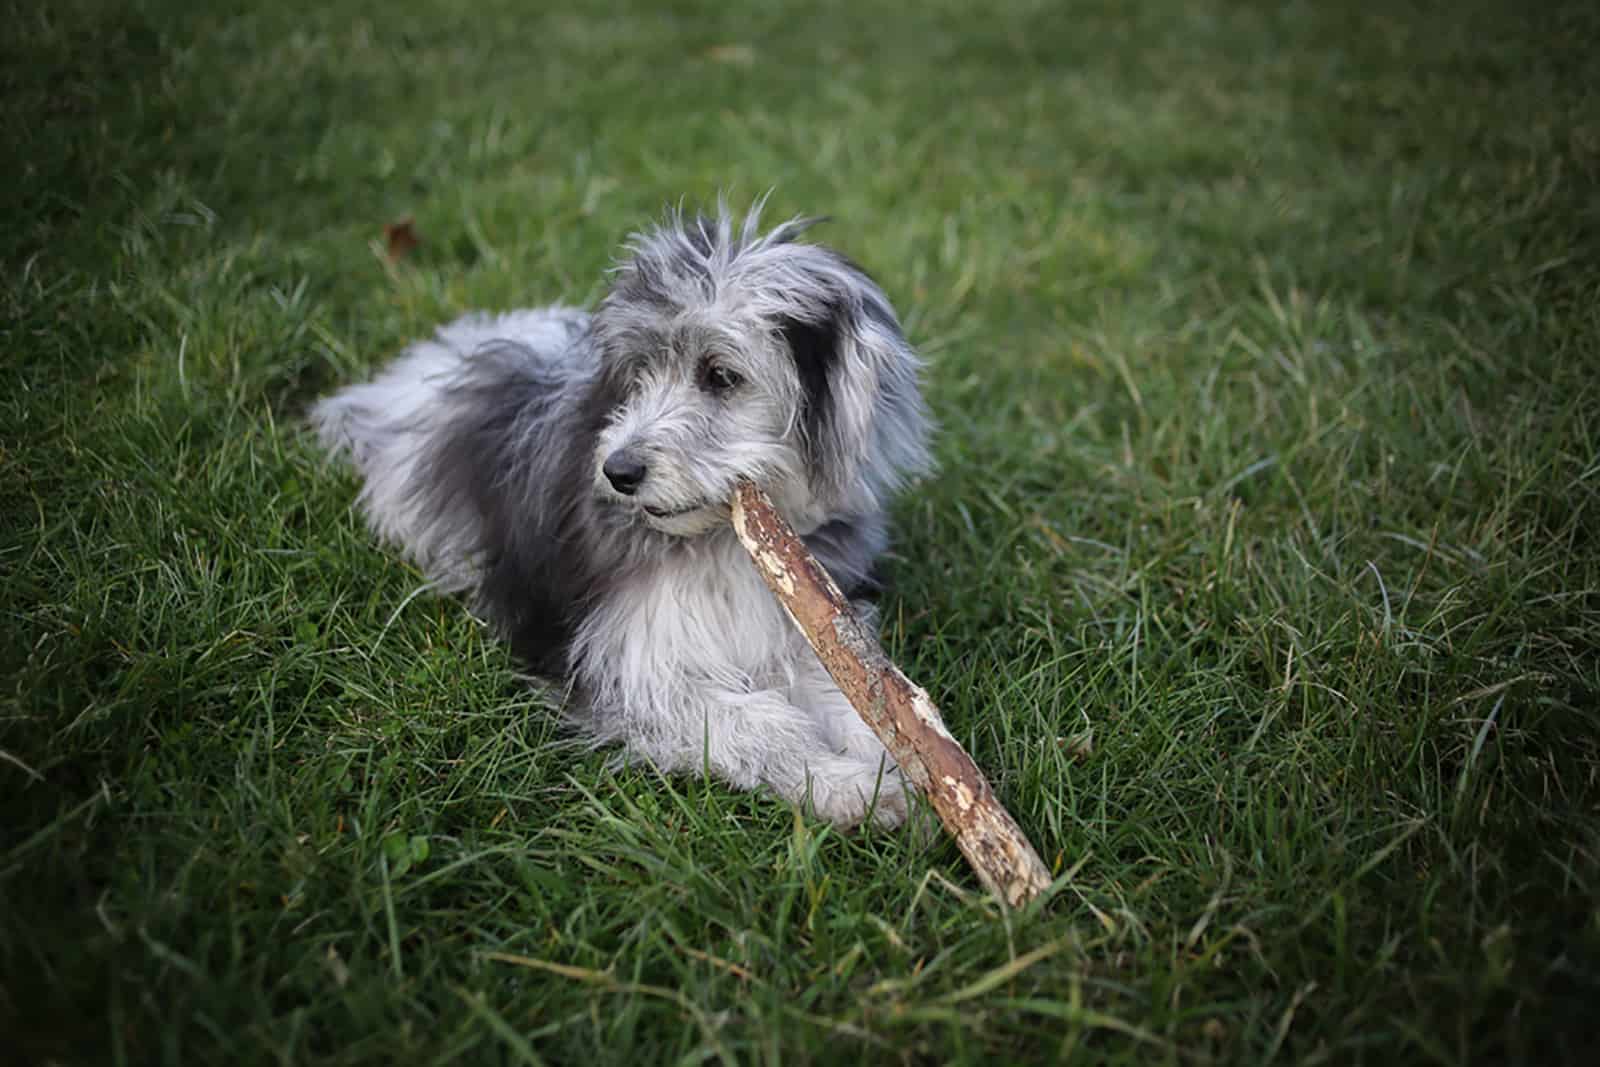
670 513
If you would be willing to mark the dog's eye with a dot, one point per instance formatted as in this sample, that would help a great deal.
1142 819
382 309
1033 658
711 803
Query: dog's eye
719 379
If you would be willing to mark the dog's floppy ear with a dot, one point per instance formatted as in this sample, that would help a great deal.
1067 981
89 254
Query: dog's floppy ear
861 415
814 346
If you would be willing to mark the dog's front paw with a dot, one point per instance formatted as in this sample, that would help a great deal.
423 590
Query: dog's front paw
847 792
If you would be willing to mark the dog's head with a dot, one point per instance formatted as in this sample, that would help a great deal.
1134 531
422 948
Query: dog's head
727 353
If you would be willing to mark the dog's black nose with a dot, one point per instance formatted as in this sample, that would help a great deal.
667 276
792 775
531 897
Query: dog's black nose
624 471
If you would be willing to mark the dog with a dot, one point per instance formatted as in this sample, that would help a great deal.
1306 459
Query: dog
571 472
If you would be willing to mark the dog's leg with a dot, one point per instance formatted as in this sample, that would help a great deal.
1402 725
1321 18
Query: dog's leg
848 735
749 739
842 727
843 785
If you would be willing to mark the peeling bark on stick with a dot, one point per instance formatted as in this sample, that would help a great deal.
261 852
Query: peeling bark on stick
899 712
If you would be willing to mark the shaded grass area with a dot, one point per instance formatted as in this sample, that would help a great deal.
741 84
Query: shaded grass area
1260 572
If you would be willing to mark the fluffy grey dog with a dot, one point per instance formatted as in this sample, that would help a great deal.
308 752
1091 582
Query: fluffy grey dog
571 471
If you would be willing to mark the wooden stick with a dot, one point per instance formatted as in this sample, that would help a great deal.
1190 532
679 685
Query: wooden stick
899 712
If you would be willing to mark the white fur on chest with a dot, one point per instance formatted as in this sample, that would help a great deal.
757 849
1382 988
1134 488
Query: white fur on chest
692 618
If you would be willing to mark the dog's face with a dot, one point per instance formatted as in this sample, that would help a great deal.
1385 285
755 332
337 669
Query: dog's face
704 397
732 355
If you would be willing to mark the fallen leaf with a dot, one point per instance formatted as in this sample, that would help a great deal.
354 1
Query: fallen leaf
399 238
336 965
1078 746
739 55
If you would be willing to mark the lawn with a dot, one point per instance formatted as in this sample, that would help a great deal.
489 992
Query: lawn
1260 572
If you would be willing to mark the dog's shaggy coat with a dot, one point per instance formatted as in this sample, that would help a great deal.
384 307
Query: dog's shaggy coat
572 471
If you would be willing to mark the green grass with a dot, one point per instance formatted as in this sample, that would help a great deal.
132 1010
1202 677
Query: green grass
1261 573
